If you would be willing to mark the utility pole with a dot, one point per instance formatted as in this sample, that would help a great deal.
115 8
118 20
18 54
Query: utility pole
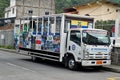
117 24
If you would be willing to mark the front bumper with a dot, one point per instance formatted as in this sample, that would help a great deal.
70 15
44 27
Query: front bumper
96 62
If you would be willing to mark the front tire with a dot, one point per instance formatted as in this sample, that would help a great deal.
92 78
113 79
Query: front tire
71 64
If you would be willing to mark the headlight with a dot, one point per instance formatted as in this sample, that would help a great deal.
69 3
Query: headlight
86 55
109 56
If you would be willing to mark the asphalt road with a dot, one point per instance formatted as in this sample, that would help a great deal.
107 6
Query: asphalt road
19 67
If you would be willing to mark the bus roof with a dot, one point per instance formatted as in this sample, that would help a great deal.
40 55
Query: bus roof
59 15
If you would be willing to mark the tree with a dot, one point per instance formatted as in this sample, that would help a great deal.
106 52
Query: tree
62 4
3 5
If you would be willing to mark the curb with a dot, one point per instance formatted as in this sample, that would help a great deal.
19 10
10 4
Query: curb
111 69
12 51
8 50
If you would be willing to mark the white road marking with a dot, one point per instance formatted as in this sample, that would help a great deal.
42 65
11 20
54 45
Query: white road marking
14 65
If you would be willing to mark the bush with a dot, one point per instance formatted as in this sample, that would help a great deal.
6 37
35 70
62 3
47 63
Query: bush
7 47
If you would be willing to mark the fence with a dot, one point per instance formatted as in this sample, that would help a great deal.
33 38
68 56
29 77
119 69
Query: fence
7 38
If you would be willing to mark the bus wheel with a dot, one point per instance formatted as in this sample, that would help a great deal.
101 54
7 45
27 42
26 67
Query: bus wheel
71 64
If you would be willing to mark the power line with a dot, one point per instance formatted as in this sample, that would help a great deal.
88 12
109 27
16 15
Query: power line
103 14
93 10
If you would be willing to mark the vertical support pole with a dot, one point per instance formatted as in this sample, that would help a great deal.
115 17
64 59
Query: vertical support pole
62 47
117 25
116 28
28 24
23 24
48 25
32 24
37 25
42 26
55 24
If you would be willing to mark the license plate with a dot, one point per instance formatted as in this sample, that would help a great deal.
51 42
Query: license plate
99 62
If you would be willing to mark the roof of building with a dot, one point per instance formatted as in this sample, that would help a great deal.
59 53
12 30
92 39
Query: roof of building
117 3
100 1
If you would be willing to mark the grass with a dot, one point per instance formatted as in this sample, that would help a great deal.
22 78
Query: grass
7 47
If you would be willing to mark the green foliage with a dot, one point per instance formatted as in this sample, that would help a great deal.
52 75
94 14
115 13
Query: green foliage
3 5
62 4
7 47
106 25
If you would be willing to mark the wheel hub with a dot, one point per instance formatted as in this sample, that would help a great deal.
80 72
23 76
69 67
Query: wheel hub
71 63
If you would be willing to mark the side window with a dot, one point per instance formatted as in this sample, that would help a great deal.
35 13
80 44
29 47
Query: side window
75 36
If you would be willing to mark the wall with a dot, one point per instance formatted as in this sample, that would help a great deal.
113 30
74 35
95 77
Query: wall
22 7
7 39
13 13
12 3
116 56
103 11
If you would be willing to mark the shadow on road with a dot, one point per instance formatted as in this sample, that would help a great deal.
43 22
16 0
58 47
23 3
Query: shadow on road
61 66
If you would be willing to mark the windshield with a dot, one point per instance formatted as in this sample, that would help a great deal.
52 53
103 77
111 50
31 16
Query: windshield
96 37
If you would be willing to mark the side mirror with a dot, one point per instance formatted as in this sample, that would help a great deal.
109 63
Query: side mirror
113 49
113 42
84 39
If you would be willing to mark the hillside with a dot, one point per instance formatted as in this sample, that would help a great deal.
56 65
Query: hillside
62 4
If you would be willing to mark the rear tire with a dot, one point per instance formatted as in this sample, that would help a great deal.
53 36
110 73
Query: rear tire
71 64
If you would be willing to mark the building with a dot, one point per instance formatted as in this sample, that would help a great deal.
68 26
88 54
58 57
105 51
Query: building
20 8
100 9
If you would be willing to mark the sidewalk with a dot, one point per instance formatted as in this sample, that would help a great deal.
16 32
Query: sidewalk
8 50
112 68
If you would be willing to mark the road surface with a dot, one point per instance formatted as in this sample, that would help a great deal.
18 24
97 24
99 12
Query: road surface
19 67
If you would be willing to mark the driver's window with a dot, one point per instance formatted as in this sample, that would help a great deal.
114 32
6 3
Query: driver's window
75 36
